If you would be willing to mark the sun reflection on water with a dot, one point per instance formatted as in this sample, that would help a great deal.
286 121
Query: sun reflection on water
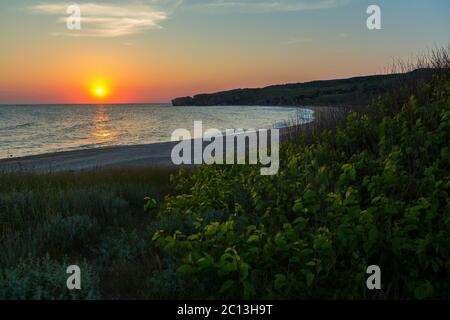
103 131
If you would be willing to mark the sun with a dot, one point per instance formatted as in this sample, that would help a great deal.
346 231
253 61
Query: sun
99 90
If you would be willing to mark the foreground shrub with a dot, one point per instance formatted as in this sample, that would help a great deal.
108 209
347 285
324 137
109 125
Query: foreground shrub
374 191
45 279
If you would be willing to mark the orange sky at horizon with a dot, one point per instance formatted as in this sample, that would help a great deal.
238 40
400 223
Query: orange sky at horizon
137 77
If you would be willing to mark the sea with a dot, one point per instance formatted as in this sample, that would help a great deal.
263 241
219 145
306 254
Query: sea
37 129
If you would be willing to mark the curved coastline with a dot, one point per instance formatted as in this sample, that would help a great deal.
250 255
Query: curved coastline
153 154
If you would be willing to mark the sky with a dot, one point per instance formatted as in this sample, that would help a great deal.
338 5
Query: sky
155 50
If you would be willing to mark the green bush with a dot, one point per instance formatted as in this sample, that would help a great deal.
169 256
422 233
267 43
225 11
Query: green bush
374 191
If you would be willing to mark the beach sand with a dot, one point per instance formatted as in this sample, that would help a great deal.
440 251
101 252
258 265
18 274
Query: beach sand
155 155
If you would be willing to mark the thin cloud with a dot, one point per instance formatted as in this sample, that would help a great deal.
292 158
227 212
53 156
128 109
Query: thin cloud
266 5
115 20
101 20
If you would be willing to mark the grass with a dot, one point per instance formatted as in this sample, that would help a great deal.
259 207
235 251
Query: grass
94 218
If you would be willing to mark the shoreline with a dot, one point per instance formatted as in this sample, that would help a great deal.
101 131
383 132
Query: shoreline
154 154
129 156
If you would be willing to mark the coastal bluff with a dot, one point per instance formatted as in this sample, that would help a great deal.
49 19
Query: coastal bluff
352 91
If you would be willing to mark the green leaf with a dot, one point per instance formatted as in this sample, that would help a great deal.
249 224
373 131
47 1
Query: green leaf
151 204
423 291
253 238
227 263
243 268
280 240
205 262
157 235
226 286
193 237
309 196
185 268
311 263
298 206
280 281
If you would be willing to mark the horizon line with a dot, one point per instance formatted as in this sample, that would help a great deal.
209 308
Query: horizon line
81 104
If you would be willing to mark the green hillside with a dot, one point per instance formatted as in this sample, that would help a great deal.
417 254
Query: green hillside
352 91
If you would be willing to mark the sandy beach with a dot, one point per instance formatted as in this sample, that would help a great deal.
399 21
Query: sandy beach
155 155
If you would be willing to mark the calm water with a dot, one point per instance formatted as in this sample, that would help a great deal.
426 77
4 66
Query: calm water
29 130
